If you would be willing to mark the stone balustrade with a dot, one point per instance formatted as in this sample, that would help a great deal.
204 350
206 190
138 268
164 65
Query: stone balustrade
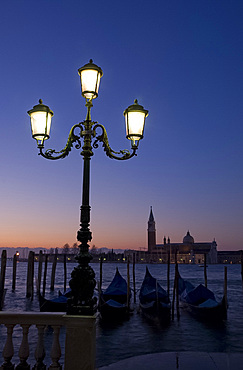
79 348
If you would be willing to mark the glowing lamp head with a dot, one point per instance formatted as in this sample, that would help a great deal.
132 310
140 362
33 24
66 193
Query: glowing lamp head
40 119
90 75
135 116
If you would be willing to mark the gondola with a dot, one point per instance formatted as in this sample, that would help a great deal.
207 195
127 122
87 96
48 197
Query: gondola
200 301
58 304
114 300
154 302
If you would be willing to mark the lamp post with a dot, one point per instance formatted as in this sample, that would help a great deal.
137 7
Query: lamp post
82 281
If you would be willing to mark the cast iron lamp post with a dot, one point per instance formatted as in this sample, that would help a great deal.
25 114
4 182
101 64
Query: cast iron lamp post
82 281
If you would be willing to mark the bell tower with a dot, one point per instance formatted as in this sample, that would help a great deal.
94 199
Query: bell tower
151 232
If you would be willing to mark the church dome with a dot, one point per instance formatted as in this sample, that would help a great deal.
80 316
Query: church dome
188 239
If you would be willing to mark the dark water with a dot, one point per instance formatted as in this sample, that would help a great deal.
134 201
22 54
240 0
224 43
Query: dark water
137 336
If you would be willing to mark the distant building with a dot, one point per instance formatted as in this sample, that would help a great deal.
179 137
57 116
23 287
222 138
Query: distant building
231 257
187 252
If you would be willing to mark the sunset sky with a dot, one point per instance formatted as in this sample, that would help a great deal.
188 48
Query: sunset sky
183 61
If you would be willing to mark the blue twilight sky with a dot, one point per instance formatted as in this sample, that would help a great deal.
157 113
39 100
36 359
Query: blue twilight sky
183 61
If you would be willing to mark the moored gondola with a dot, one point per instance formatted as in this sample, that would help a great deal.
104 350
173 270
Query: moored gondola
154 302
114 301
200 301
58 304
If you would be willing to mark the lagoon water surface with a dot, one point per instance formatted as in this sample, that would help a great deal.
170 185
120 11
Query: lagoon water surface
137 336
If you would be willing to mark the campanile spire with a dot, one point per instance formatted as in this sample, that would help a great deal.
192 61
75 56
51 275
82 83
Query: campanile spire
151 232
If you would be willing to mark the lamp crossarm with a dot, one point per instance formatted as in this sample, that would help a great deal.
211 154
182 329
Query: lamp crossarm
72 138
103 138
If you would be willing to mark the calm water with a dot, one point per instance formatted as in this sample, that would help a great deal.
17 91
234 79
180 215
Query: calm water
136 336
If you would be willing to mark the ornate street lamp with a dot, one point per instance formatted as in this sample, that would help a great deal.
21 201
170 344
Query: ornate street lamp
82 281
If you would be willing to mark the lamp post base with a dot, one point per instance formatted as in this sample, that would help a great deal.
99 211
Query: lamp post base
82 284
80 342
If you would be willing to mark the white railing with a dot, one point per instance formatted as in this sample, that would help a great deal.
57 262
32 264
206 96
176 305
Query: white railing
79 352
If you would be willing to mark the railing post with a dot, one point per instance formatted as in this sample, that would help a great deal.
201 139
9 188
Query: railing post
8 350
80 342
40 352
55 350
24 349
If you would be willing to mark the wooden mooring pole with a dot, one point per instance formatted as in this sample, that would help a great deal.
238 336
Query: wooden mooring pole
2 276
14 272
128 283
53 271
39 271
134 278
101 272
100 281
168 274
225 287
30 276
177 292
174 290
205 270
65 272
3 268
45 274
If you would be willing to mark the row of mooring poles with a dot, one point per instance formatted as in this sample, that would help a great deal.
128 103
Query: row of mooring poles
3 269
53 272
30 273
